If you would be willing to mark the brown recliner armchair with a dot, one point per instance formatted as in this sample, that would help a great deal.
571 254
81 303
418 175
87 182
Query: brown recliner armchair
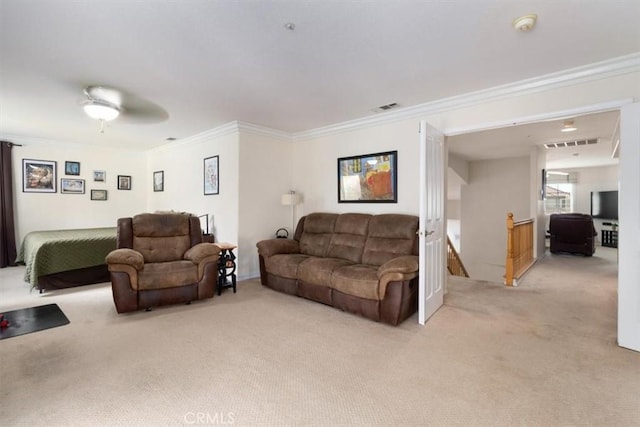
572 233
160 259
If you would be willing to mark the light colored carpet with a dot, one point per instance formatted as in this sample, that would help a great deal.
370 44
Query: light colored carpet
542 354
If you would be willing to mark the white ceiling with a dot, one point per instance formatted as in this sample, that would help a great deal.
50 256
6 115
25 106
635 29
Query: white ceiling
204 63
516 141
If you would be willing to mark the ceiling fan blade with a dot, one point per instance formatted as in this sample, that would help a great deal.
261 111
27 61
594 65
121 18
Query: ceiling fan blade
138 110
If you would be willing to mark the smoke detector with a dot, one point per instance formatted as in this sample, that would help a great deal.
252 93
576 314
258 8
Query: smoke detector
525 23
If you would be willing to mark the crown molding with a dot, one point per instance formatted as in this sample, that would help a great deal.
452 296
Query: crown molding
226 129
595 71
217 132
264 131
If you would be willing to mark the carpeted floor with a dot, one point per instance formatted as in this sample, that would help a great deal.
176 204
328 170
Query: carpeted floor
542 354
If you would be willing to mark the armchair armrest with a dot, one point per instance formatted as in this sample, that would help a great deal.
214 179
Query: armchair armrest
278 246
201 251
127 257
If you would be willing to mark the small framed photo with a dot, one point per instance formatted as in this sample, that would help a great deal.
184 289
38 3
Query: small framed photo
158 181
211 176
368 178
72 168
100 176
98 194
124 182
71 186
39 176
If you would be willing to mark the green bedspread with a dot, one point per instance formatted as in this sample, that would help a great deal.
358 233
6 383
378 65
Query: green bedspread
48 252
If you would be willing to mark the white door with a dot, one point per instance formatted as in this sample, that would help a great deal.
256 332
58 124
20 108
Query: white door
432 222
629 229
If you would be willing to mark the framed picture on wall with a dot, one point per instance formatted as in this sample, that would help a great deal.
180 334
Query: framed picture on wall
99 176
158 181
98 194
124 182
71 186
72 168
211 176
39 176
369 178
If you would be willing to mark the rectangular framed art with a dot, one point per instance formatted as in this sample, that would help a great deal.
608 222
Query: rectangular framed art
211 175
98 194
124 182
72 168
39 176
99 176
158 181
71 186
369 178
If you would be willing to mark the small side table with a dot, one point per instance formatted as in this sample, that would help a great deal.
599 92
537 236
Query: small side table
226 267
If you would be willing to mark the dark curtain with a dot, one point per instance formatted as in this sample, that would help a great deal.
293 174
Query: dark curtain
7 228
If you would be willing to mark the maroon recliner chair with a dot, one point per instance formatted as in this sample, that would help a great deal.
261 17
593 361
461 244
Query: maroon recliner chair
572 233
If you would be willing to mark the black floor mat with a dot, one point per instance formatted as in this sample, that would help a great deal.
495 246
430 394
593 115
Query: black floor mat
32 319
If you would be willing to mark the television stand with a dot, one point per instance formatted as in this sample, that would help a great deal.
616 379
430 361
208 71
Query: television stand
610 238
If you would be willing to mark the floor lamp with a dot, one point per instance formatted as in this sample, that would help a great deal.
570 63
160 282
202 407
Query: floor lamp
291 199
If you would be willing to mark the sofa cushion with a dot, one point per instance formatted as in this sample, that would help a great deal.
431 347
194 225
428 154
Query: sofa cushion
167 275
349 236
318 229
359 280
390 236
284 265
317 271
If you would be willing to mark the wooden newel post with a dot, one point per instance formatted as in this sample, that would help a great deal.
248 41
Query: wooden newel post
508 278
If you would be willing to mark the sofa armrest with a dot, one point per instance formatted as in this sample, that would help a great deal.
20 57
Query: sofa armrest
201 251
128 257
396 270
406 264
278 246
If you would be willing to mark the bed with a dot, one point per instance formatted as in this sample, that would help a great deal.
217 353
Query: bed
59 259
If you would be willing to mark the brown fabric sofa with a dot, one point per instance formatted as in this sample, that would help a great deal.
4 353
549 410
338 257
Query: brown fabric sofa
572 233
360 263
160 259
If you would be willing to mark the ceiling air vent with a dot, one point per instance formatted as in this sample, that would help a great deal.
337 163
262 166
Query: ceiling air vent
387 107
574 143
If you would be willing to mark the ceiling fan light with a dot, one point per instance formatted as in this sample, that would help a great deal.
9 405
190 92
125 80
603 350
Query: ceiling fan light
101 110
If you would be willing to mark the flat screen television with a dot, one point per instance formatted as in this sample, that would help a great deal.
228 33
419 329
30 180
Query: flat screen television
604 204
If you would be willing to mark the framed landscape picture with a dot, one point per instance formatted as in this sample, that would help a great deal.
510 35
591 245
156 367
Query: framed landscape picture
99 176
71 186
39 176
369 178
211 175
98 194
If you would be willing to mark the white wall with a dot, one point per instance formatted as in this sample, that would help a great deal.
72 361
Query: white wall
183 166
255 170
539 162
264 176
315 167
495 188
47 211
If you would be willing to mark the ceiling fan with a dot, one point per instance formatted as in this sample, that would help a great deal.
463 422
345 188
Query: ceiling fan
105 104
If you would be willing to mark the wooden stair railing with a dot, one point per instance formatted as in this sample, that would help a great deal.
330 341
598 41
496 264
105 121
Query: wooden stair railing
519 249
454 263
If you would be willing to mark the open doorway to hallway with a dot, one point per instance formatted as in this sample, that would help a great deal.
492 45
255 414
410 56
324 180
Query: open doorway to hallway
493 172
